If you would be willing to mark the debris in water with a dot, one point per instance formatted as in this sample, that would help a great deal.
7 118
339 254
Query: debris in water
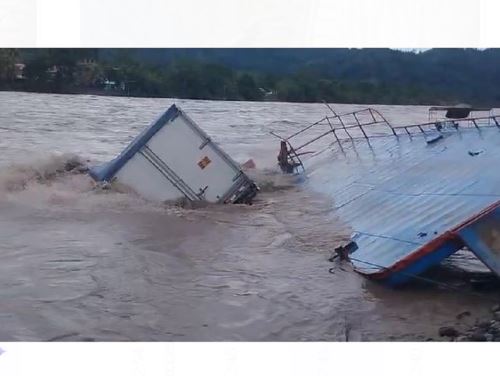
250 164
448 331
342 252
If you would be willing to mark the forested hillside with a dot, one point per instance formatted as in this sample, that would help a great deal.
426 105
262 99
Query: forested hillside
436 76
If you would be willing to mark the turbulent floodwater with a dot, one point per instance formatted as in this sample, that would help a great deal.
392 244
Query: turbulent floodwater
78 263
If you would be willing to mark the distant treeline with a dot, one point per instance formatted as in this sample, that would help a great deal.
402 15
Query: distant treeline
438 76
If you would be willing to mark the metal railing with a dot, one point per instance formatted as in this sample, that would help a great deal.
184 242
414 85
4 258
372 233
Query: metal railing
344 126
477 122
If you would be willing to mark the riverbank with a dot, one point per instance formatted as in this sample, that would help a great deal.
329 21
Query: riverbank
484 330
119 93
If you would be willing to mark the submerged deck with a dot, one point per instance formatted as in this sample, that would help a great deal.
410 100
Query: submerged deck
409 202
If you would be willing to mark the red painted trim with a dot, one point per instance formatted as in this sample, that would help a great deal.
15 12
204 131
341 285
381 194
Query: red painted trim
478 216
434 244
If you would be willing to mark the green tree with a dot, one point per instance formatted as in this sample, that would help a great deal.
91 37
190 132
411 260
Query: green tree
8 57
36 71
88 74
247 88
289 90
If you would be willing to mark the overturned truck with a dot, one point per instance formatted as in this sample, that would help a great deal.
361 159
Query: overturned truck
413 194
175 159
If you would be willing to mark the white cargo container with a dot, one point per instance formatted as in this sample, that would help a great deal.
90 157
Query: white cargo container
173 158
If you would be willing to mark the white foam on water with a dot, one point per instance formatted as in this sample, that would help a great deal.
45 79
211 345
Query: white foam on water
80 262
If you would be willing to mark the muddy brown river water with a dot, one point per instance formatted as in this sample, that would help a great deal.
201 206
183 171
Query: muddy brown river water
78 263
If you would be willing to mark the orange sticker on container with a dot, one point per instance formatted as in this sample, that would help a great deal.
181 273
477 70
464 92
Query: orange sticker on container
204 162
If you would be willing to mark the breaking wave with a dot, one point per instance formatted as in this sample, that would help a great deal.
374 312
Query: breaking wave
18 177
273 180
59 181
